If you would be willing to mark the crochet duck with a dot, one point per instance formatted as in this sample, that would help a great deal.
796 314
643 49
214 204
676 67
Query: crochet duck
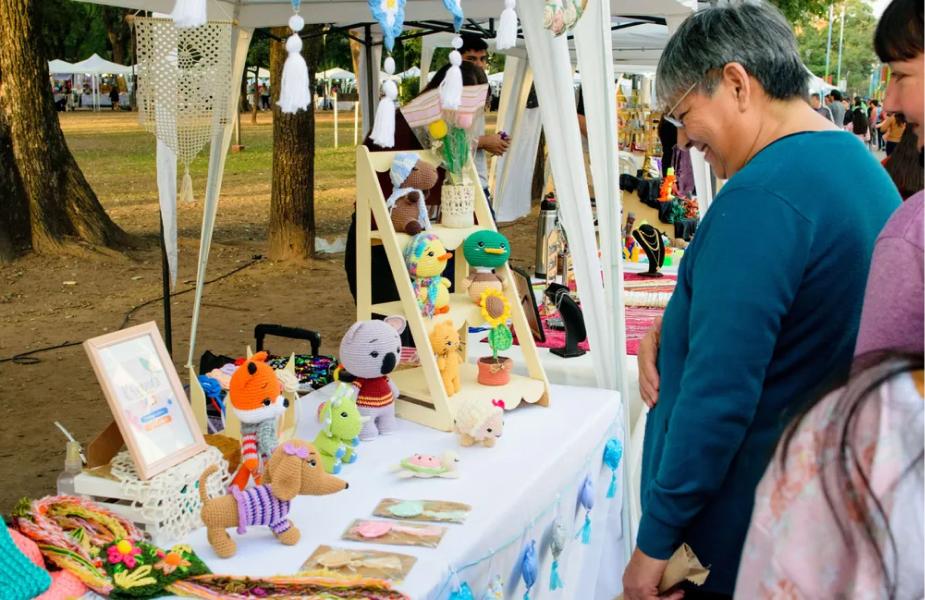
426 257
485 251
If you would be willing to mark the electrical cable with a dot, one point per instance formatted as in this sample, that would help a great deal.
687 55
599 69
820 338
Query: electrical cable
27 358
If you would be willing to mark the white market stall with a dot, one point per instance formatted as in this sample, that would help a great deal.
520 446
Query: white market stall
552 75
93 68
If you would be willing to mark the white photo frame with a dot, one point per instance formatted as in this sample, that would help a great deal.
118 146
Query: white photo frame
146 398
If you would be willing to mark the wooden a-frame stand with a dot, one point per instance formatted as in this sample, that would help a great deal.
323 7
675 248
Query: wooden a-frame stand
423 398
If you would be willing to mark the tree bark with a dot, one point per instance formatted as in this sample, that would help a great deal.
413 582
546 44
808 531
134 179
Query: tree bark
62 206
539 170
14 210
292 198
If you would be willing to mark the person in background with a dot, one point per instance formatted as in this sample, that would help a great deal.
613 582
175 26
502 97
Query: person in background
874 116
817 106
837 108
265 97
475 52
905 165
858 122
114 96
892 127
746 339
838 513
893 306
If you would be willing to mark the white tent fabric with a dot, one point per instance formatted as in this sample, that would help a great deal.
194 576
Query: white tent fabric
96 65
261 73
60 67
336 74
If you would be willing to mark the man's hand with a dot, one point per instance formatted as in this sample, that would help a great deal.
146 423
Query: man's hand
494 144
642 576
648 366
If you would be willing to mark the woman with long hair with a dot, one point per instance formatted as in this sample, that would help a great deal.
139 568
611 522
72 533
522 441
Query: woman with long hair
839 511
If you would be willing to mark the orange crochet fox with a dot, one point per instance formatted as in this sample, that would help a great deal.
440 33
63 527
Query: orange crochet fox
256 398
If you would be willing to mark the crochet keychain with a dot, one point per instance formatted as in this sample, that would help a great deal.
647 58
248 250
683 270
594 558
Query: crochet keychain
613 452
557 546
294 92
586 499
462 591
495 590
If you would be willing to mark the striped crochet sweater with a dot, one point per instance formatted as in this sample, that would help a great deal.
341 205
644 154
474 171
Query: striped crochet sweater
258 506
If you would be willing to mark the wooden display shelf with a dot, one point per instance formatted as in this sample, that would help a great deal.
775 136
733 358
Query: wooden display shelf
452 237
520 390
423 398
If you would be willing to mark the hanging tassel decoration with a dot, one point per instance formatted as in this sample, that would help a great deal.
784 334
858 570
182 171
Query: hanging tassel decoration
613 452
294 94
452 87
507 27
529 565
557 546
463 592
383 134
186 191
586 499
189 13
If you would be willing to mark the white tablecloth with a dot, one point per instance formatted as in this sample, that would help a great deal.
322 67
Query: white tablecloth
515 489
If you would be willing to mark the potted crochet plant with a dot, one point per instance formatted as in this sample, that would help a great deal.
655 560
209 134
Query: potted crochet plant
496 310
457 199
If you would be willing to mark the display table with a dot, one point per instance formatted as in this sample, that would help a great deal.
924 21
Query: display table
515 489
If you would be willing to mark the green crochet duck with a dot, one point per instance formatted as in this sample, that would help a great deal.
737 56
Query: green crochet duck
485 251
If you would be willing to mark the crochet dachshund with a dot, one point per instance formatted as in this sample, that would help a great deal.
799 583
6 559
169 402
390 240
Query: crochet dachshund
293 469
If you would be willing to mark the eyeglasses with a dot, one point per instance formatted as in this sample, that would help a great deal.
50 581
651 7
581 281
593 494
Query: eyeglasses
667 115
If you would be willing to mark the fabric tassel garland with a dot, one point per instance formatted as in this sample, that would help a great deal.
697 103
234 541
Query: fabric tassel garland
463 592
294 93
586 499
452 87
613 452
529 565
557 546
383 134
189 13
186 191
507 27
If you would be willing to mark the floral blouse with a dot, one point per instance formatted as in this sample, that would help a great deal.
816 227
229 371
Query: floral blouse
795 549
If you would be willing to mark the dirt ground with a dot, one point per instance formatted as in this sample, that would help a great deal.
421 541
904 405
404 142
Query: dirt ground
47 301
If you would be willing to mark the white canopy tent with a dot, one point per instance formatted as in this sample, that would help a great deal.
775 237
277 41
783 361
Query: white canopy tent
551 68
336 74
91 67
60 67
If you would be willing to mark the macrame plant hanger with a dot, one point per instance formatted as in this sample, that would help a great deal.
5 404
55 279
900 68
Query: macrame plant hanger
182 90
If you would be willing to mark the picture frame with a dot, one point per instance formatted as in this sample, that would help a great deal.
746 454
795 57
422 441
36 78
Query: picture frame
528 301
146 398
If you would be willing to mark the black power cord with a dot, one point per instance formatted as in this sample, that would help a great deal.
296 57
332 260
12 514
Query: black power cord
27 358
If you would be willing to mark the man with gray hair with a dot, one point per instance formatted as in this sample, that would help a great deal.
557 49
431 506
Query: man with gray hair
769 293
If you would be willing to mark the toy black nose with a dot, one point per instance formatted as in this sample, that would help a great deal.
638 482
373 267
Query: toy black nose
388 363
285 402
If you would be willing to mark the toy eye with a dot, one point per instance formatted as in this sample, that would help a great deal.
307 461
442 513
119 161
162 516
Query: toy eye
374 354
489 430
503 246
312 463
481 244
344 414
449 343
431 253
266 402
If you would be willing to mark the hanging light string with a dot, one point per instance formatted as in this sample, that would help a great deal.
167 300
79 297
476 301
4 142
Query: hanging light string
594 455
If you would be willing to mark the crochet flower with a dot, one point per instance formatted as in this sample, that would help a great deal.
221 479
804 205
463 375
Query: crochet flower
496 309
171 562
123 552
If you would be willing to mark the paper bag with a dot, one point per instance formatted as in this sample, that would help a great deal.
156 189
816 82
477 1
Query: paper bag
682 566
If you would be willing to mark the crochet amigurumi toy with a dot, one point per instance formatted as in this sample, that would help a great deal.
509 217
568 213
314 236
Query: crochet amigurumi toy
444 339
480 422
412 178
485 251
370 351
256 398
293 469
341 423
426 258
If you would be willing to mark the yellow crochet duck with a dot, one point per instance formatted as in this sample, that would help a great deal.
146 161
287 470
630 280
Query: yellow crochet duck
426 258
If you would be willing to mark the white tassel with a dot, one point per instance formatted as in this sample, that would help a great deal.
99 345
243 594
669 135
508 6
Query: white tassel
507 27
383 134
452 87
186 192
294 92
389 65
189 13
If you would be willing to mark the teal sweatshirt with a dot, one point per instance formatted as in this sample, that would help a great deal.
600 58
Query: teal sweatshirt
764 316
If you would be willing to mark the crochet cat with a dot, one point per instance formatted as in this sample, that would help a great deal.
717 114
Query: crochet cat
444 340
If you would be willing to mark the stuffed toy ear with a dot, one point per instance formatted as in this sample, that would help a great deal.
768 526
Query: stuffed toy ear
284 472
399 323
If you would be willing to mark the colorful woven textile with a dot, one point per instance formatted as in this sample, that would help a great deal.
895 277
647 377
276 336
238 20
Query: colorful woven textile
307 587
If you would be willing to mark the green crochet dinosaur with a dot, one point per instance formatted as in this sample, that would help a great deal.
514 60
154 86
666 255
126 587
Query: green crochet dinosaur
341 420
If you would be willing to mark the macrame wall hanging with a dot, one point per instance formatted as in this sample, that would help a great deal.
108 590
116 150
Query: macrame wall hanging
390 14
182 92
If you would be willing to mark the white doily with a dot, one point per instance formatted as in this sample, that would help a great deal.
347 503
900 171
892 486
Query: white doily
183 77
170 500
647 299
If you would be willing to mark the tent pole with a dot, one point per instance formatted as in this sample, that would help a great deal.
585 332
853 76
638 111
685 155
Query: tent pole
165 279
368 49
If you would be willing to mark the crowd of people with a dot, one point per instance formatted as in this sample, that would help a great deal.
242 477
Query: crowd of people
784 441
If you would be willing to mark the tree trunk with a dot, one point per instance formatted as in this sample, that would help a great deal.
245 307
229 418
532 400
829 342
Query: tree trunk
62 206
539 170
14 210
292 199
